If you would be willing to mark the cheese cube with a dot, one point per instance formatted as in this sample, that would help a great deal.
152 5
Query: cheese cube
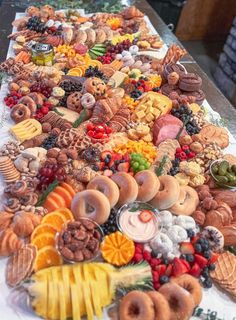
156 112
140 114
149 117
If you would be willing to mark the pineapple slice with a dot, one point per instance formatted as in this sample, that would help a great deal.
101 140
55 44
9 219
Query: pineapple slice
101 277
39 292
77 274
95 288
53 295
66 278
62 303
87 292
76 315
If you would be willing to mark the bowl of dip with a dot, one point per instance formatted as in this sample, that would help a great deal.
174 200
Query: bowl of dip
136 224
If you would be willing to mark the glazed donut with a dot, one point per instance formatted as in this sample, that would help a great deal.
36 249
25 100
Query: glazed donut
136 305
185 222
214 236
20 112
87 101
37 97
166 218
29 102
161 306
187 202
180 301
91 204
168 193
128 187
177 234
107 187
191 284
162 243
148 185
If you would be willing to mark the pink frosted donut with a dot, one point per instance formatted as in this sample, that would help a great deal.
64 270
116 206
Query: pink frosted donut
148 184
87 100
107 187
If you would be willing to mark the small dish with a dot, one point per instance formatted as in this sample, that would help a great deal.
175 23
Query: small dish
132 226
214 176
78 241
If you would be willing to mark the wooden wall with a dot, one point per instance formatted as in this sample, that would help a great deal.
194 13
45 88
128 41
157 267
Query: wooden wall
206 19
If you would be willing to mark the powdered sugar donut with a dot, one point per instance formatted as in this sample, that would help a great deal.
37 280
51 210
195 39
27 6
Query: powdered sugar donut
177 234
162 243
87 100
185 222
166 218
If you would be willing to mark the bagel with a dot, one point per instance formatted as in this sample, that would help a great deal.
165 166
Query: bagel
37 97
187 202
136 305
168 193
128 187
191 284
107 187
30 103
161 306
148 185
91 204
180 301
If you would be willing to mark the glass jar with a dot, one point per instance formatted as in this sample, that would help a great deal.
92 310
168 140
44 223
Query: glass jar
42 54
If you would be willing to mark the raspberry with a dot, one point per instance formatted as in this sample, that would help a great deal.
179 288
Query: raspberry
156 285
138 250
155 276
147 255
154 262
137 257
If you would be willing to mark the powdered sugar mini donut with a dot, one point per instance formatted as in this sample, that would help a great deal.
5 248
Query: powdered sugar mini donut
87 100
177 234
128 187
185 222
91 204
162 243
148 185
166 218
107 187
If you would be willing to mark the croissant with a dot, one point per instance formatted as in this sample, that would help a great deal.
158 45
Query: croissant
24 223
5 220
229 233
132 12
9 242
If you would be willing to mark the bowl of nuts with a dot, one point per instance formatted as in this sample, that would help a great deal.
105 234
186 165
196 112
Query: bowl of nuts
79 241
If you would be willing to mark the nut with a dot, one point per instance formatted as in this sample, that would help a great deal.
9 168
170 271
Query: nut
67 253
72 153
62 158
46 127
52 153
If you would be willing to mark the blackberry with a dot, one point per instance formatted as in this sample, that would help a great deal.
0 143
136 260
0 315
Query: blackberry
94 72
35 24
175 167
110 225
49 142
69 86
185 115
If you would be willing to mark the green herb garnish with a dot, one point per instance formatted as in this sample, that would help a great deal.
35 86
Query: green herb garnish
58 112
160 169
49 189
140 206
232 249
82 118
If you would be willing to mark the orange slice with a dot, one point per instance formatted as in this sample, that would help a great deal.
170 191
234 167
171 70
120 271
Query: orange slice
66 213
64 194
43 228
69 188
47 257
44 239
58 199
50 205
55 219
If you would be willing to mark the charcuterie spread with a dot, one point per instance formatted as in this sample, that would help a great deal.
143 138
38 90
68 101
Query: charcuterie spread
119 194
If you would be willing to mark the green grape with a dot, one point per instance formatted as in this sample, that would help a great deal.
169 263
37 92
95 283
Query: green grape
147 165
142 161
141 168
135 165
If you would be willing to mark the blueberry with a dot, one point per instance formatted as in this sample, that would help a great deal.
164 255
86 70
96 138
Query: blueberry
183 256
177 114
164 279
190 233
205 246
211 267
107 159
182 109
190 257
201 241
205 273
95 167
207 254
207 283
165 261
198 247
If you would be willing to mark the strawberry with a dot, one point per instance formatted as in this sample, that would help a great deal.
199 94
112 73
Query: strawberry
145 215
90 126
187 265
201 261
111 163
186 248
98 135
126 157
117 156
194 239
147 256
101 165
137 257
169 270
214 257
179 267
106 153
195 271
107 173
138 245
155 276
155 262
91 133
123 167
161 269
138 250
156 285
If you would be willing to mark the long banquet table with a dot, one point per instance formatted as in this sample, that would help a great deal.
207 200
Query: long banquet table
215 98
